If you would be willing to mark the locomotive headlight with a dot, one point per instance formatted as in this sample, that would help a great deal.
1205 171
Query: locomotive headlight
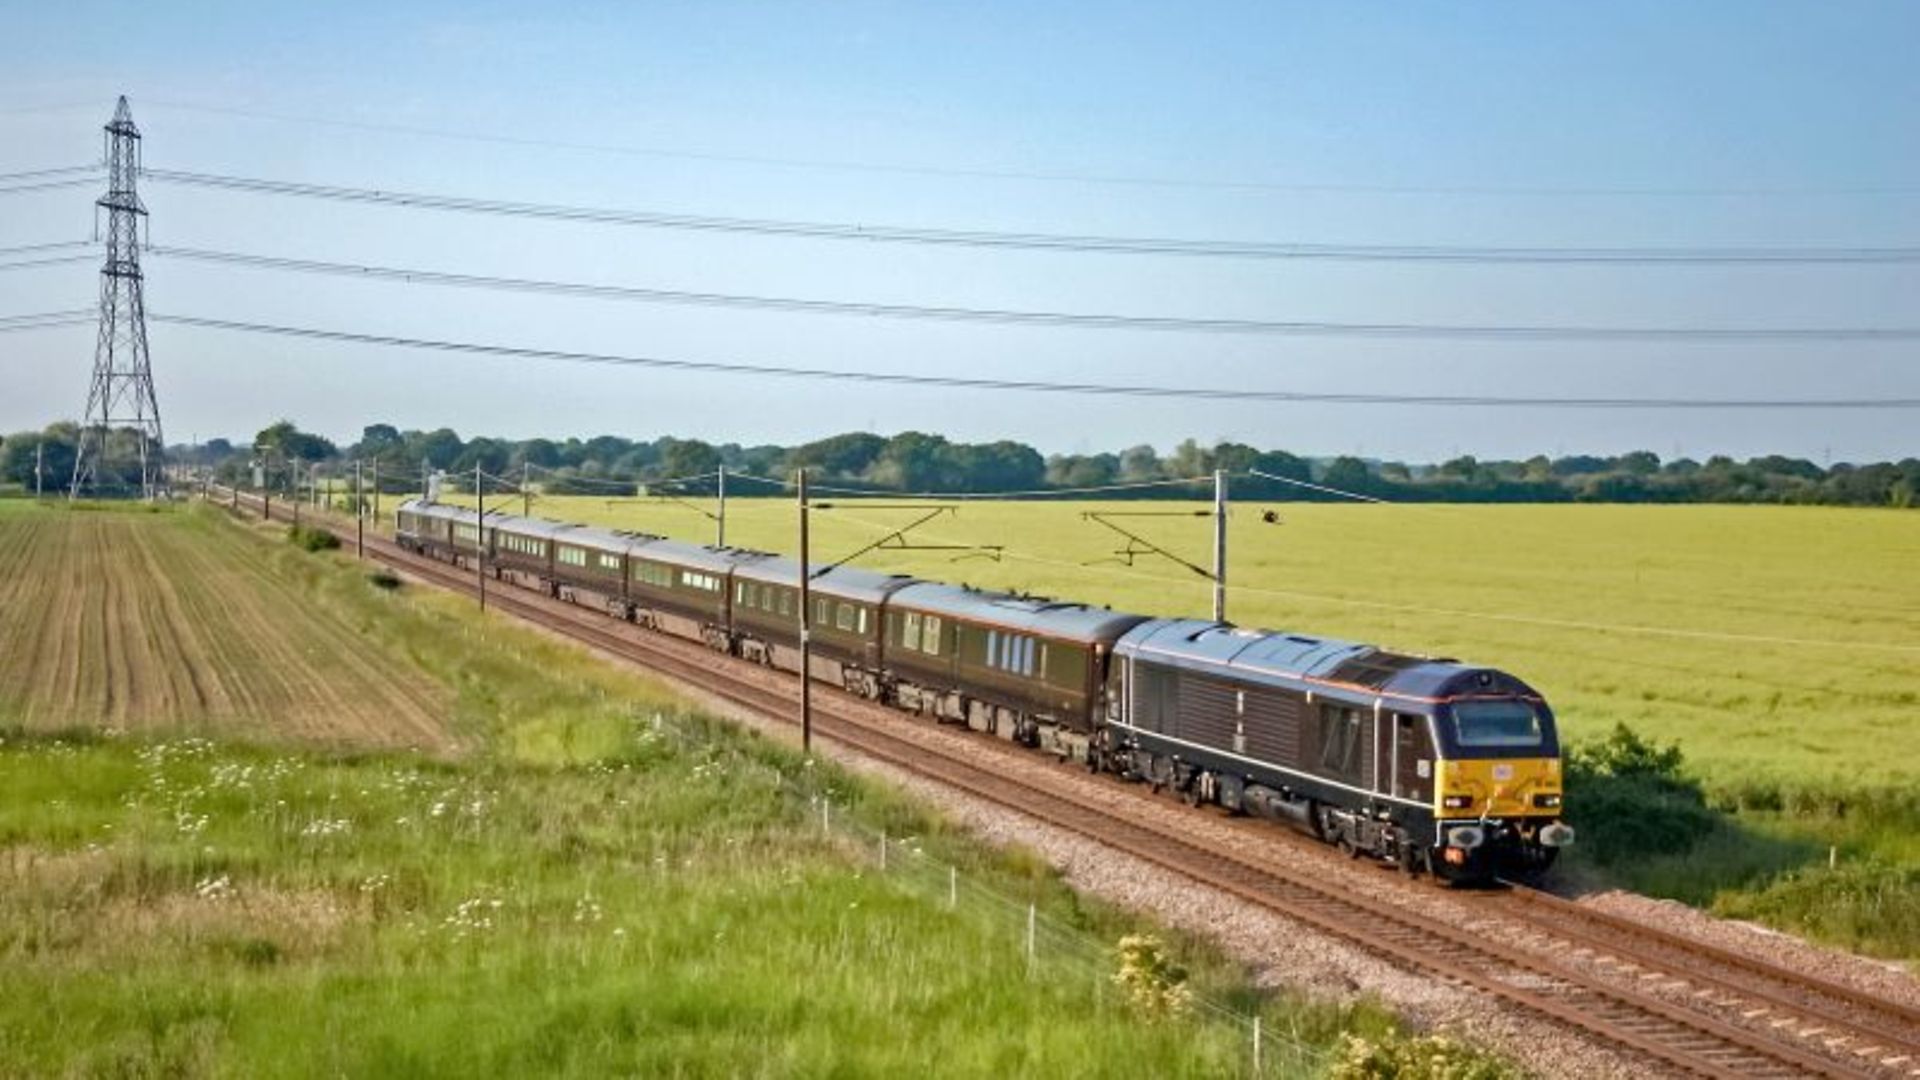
1457 802
1546 801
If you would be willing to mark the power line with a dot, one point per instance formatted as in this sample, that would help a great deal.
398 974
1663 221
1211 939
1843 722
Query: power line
58 260
1045 176
50 185
1029 386
1075 320
57 245
41 174
1086 244
23 110
48 321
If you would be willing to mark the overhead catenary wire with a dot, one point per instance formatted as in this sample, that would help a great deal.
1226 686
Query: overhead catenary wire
1075 320
1309 486
955 382
1088 244
1050 176
1031 493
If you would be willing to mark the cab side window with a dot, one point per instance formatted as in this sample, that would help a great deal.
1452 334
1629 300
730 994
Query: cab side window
1340 742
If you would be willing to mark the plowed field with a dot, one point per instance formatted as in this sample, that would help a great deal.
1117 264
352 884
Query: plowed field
170 620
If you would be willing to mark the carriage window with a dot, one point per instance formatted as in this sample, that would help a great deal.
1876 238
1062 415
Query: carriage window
786 602
930 636
910 630
863 620
993 648
740 592
609 562
822 612
843 618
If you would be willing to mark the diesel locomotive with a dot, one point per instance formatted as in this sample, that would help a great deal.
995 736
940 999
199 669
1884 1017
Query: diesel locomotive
1435 766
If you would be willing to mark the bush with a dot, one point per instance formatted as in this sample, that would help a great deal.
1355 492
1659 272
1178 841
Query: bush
1629 798
1868 907
384 578
1152 981
1433 1057
308 538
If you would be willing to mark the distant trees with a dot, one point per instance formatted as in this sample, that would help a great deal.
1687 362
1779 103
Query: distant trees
920 461
54 447
282 439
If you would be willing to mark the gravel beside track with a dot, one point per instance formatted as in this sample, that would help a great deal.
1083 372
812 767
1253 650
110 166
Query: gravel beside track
1503 971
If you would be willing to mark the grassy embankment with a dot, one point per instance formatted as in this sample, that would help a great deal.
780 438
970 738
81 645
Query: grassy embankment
1779 647
555 887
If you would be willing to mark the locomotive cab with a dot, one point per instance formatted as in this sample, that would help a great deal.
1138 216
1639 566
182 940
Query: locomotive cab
1497 791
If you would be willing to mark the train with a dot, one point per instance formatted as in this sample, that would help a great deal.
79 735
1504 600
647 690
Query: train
1440 768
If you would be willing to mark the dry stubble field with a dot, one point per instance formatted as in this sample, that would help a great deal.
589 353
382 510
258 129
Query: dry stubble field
154 621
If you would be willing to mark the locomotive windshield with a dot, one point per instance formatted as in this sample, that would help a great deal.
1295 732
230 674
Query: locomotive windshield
1479 725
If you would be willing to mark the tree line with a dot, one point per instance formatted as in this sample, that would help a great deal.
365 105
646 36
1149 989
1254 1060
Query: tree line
920 462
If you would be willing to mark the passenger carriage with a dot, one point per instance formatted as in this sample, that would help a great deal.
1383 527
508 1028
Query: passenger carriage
1027 668
844 626
591 565
682 588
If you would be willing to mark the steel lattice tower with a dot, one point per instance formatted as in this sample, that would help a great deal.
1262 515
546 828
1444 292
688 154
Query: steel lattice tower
122 392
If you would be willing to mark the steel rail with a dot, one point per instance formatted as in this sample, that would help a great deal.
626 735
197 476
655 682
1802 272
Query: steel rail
1886 1033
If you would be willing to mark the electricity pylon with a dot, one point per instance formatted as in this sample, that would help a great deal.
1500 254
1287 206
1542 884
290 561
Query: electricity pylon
122 392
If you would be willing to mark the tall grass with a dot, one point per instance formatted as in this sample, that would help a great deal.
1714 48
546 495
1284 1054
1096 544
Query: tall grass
1820 862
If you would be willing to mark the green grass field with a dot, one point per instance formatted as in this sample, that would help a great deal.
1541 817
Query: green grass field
591 881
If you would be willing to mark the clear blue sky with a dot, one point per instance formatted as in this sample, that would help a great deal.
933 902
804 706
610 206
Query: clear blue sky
1550 124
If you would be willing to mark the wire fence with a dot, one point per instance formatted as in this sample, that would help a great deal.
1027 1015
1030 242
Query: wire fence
1271 1048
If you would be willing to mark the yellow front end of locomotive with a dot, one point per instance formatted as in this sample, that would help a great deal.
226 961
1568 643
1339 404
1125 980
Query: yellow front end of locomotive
1498 788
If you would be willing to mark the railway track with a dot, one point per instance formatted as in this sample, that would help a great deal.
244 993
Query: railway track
1780 1011
1880 1034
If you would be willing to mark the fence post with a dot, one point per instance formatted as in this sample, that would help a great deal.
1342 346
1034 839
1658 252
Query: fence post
953 888
1256 1044
1031 912
883 851
826 814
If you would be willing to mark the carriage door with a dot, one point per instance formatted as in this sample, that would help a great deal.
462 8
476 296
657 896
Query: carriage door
1412 758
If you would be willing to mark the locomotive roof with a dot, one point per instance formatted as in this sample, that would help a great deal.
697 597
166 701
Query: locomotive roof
1302 661
1033 614
844 582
